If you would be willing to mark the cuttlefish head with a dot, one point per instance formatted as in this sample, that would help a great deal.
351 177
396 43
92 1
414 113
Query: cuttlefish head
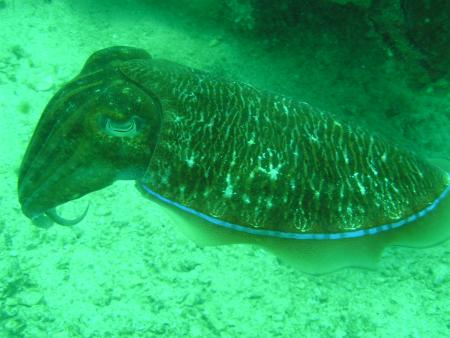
100 127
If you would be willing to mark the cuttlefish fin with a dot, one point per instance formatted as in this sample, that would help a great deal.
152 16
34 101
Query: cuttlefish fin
321 256
433 228
310 256
314 257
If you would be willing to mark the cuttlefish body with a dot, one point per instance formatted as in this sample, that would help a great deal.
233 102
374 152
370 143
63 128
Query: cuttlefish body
232 164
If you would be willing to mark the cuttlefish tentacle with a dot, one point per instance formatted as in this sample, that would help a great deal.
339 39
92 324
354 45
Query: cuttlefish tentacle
53 215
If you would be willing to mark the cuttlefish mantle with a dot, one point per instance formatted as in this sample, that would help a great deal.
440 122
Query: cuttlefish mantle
232 164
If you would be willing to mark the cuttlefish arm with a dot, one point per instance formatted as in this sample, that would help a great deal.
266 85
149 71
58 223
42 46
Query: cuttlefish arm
55 217
98 128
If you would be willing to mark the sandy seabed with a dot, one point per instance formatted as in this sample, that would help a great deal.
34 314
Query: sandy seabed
124 271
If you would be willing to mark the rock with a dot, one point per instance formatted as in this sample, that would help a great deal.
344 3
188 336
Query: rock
30 297
440 274
13 326
44 84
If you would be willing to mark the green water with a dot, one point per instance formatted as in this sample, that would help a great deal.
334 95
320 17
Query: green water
125 271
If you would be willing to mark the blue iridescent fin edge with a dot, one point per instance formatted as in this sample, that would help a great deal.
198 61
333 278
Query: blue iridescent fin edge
291 235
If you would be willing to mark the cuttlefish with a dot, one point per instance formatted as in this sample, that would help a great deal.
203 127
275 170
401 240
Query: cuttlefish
232 164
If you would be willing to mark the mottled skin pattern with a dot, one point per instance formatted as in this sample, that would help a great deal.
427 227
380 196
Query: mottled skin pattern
234 152
262 160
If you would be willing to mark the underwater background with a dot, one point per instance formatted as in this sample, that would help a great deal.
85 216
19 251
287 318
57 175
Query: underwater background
125 271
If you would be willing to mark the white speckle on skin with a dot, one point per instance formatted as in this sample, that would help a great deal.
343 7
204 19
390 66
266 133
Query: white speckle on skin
228 192
190 161
372 167
341 191
346 156
233 160
349 210
292 184
272 172
165 179
395 188
362 189
356 176
314 138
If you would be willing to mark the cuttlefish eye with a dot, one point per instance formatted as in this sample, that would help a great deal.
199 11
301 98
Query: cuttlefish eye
127 128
